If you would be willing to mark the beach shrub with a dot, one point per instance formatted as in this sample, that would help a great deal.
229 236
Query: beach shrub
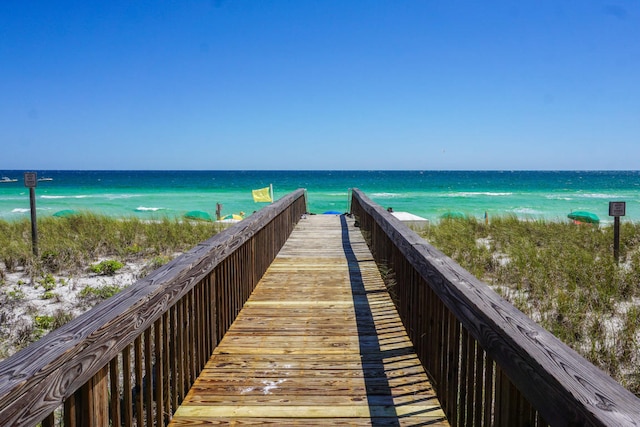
48 282
43 322
60 317
14 255
158 261
16 294
562 275
91 293
25 335
134 249
49 295
52 322
106 268
51 262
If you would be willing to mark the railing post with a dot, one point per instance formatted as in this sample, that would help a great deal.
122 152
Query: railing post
90 404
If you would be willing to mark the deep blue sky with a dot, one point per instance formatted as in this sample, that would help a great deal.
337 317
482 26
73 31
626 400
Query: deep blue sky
343 84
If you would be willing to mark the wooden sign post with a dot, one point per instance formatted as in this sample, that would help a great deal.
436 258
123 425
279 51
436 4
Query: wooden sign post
616 210
31 181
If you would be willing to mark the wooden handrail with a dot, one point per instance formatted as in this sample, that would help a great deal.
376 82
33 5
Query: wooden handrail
136 354
491 364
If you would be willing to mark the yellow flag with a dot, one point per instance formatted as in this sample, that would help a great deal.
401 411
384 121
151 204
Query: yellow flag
261 195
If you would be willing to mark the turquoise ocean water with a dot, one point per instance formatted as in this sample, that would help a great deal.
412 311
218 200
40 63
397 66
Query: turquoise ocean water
549 195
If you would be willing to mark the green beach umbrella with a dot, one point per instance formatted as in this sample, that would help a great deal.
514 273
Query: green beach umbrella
198 215
584 216
65 213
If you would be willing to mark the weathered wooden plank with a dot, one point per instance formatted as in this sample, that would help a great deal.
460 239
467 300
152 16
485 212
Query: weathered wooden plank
317 390
342 361
319 340
307 422
411 372
290 411
302 399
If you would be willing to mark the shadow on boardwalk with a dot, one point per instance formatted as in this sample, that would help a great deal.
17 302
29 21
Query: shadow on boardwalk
378 387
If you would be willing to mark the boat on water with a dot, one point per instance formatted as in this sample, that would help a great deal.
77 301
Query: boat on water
45 178
7 179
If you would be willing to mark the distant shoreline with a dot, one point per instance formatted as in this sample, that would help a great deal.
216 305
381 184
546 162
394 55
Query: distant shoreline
529 195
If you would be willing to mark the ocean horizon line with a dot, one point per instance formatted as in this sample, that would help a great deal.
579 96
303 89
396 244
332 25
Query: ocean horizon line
317 170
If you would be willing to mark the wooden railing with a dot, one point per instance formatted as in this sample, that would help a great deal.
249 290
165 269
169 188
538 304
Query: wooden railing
131 360
491 365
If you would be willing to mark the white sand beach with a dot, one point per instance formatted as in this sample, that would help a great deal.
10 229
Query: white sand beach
23 301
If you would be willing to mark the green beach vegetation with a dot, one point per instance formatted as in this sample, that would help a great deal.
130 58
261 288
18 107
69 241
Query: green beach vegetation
71 243
561 275
82 259
564 277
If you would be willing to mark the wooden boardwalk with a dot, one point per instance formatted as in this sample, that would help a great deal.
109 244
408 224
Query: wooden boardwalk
319 342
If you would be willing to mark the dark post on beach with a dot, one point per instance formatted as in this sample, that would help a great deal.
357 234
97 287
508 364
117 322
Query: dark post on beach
616 210
30 181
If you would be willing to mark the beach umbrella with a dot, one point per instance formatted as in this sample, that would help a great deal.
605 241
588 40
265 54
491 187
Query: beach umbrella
234 217
584 216
198 215
453 215
65 213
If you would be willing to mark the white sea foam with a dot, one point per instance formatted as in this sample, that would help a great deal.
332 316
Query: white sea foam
20 210
385 195
598 196
79 196
146 209
526 211
480 193
120 196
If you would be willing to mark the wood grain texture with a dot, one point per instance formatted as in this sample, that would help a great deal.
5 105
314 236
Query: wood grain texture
317 343
563 386
38 379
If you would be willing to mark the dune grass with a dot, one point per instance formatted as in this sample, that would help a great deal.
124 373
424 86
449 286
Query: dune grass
564 277
71 243
72 247
561 275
